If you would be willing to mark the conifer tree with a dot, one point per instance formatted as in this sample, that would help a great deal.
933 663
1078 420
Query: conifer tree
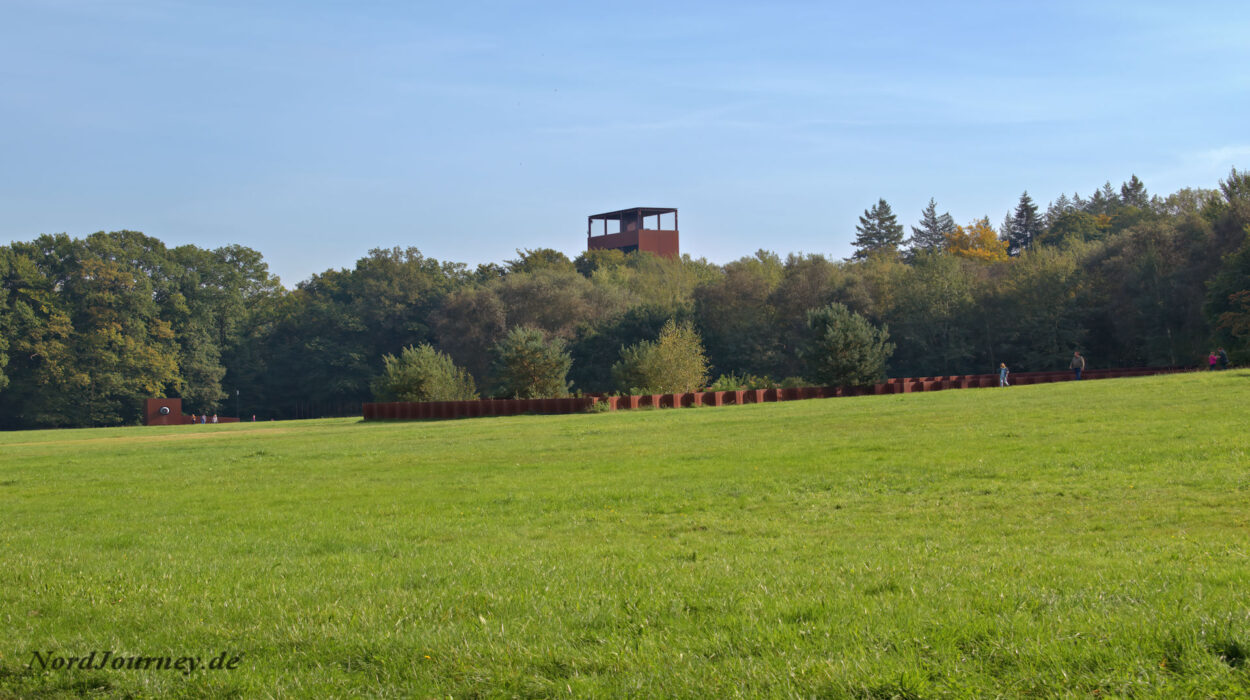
1006 230
529 365
878 232
843 348
1103 201
1236 187
1023 226
1133 194
1057 208
931 233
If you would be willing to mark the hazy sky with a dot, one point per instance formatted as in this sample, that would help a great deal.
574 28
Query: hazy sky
314 131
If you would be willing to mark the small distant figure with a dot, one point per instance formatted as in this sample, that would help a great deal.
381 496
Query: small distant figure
214 417
1078 364
1223 358
253 417
203 419
1002 374
1212 361
193 418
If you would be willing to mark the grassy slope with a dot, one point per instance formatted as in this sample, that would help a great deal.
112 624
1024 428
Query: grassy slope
1044 540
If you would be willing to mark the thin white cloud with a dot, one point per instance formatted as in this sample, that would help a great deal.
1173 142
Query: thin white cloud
696 119
1225 156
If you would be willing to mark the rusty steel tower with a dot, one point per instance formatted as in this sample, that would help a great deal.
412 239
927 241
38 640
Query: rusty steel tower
632 232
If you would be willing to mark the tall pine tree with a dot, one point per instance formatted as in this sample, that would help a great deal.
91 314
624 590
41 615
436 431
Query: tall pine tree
1103 201
878 232
1024 225
1057 208
931 234
1133 194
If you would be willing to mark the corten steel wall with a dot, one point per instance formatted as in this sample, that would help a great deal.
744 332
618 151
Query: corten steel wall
412 410
907 385
663 243
611 241
152 412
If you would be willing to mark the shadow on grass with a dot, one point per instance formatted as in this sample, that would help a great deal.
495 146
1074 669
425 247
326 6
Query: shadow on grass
1231 652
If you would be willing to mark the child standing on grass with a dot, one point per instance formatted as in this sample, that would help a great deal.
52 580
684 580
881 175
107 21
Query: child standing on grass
1002 374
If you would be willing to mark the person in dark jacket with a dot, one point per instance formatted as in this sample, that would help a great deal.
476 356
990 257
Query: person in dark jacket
1078 364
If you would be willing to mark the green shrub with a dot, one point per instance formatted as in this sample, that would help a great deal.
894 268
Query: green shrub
674 363
733 382
843 348
422 374
794 383
728 382
528 365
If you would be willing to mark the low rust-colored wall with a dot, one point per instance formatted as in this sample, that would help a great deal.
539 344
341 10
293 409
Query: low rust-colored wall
662 243
164 412
172 415
902 385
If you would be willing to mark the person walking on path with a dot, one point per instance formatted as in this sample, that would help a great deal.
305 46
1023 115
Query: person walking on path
1078 364
1002 374
1223 358
1212 360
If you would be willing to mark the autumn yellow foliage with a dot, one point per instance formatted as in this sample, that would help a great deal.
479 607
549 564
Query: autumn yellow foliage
977 241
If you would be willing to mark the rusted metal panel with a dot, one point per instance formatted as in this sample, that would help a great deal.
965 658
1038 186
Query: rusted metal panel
508 407
634 233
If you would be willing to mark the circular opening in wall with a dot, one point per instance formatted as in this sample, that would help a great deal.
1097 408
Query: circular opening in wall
164 410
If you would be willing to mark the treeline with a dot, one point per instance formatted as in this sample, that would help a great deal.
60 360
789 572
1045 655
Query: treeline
92 326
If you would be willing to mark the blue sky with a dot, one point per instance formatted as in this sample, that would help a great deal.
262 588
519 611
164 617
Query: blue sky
314 131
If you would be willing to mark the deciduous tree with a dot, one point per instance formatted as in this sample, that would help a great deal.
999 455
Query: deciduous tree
422 373
540 259
930 321
737 318
468 324
1228 302
1075 226
673 363
978 241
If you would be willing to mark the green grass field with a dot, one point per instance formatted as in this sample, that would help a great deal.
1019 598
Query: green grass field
1079 539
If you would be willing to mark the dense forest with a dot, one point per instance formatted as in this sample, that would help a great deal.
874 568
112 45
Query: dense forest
93 326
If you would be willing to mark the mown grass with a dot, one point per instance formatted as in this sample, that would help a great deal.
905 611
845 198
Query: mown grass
1079 539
